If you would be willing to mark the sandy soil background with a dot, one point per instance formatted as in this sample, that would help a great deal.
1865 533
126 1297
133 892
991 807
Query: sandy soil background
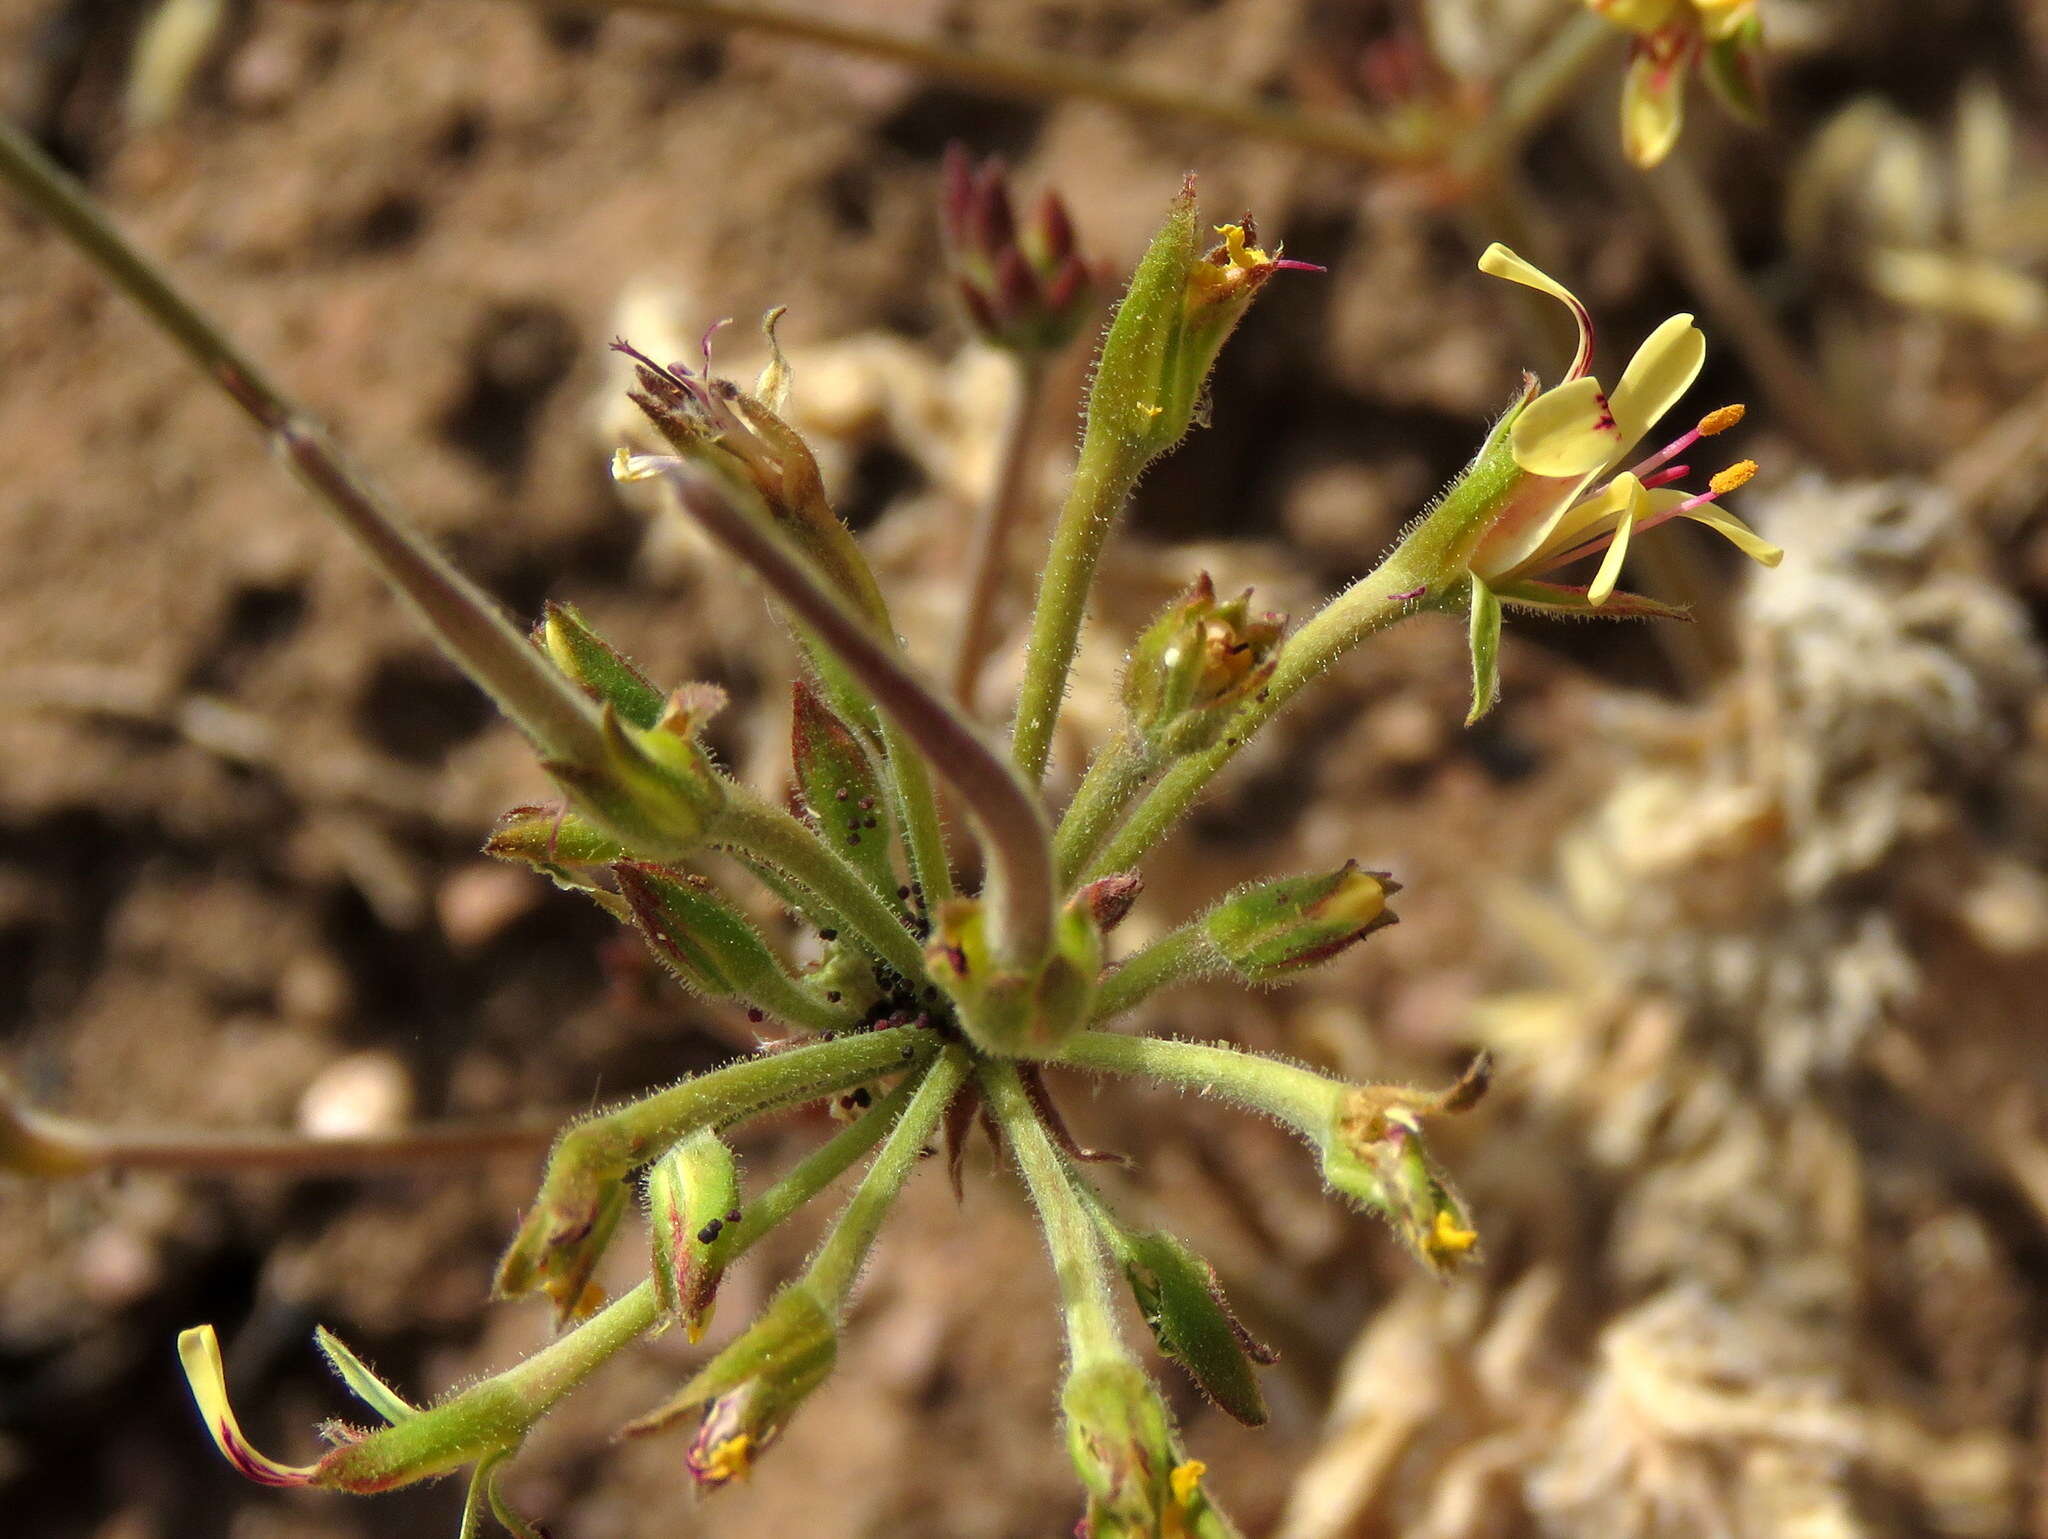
1764 1185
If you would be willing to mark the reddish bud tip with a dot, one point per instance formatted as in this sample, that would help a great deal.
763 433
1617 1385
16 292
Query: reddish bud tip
1055 231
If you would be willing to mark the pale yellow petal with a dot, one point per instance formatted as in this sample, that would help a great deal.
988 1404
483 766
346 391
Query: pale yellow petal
199 1352
1637 503
1723 18
1499 262
1662 370
1589 518
1737 533
1653 103
1636 15
1568 431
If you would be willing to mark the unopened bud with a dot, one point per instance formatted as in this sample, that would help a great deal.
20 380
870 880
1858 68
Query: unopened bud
604 672
655 789
1025 288
747 1394
550 837
692 1191
1183 1304
1194 665
1109 898
702 938
1276 929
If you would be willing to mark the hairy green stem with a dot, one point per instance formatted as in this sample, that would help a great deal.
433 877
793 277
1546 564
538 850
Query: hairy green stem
465 622
1116 774
917 809
1012 824
766 833
1179 956
837 1266
1300 1098
1103 479
1086 1298
615 1142
819 1169
1007 498
1086 1294
566 1362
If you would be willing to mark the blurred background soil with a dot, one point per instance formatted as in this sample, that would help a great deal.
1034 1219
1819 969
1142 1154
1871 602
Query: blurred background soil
1763 1182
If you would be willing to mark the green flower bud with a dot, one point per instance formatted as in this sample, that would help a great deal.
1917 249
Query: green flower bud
698 935
603 671
551 838
692 1207
842 788
1373 1152
709 945
1183 1304
747 1394
1010 1014
571 851
1271 931
1140 1484
655 790
1194 665
1180 308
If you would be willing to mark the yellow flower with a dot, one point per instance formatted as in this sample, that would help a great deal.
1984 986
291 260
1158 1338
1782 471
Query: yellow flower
1670 37
1576 501
1569 497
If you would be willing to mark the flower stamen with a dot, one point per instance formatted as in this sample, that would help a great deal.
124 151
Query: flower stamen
1711 425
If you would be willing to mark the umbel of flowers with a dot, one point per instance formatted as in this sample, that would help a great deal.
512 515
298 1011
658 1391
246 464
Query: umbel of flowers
934 1009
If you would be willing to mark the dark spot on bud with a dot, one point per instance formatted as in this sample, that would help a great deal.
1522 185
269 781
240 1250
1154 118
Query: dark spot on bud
733 1217
828 935
832 996
756 1016
709 1232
